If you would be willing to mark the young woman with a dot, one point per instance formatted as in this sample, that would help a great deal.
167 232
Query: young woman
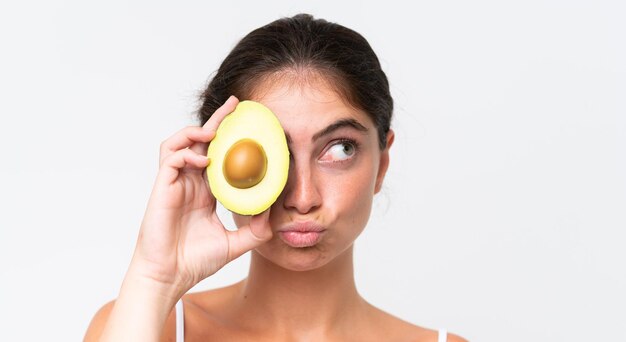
326 86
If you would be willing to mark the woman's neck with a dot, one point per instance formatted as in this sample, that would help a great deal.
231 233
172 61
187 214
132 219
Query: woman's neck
316 301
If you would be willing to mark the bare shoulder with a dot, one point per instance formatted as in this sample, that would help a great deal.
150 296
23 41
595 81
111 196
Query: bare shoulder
198 308
452 338
204 313
402 330
98 322
455 338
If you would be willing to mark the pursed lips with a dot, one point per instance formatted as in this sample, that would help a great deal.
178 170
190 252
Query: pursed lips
301 234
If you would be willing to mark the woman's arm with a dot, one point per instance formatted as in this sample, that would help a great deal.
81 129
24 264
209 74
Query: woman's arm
181 240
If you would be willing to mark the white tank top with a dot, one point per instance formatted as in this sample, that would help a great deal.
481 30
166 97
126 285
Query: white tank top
180 321
180 325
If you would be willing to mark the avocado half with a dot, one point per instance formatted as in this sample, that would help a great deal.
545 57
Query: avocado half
249 159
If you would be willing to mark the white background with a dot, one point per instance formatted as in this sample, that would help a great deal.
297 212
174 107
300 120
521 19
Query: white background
503 216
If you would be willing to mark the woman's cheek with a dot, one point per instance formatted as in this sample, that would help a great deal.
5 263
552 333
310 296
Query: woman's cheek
355 195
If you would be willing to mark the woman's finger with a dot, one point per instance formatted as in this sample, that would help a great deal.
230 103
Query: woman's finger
194 137
219 115
182 139
172 164
214 121
250 236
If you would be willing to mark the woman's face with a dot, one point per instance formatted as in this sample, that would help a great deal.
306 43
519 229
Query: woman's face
336 167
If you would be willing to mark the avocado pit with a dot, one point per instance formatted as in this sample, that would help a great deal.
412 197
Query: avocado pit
245 164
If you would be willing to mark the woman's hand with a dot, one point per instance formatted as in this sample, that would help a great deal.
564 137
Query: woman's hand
181 240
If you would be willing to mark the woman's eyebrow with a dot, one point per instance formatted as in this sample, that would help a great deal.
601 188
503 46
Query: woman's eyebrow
341 123
337 125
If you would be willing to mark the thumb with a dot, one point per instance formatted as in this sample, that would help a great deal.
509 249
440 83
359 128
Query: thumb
250 236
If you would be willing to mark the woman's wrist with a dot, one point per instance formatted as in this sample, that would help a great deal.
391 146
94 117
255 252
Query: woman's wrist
151 288
147 276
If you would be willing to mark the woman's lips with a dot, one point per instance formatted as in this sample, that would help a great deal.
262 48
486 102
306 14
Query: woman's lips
301 234
301 239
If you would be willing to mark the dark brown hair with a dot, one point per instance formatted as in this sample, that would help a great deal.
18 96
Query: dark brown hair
303 44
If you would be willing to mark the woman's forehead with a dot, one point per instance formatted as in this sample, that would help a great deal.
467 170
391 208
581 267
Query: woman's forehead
305 108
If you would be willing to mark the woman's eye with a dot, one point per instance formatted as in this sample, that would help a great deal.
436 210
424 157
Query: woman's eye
340 151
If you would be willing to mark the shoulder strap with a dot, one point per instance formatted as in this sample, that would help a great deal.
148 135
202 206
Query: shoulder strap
443 335
180 321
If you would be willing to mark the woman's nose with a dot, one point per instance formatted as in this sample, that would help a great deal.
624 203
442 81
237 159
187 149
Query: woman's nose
301 192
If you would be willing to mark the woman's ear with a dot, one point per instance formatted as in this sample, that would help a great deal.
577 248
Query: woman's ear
384 162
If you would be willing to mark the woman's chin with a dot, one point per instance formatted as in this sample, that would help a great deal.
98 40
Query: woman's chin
298 259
